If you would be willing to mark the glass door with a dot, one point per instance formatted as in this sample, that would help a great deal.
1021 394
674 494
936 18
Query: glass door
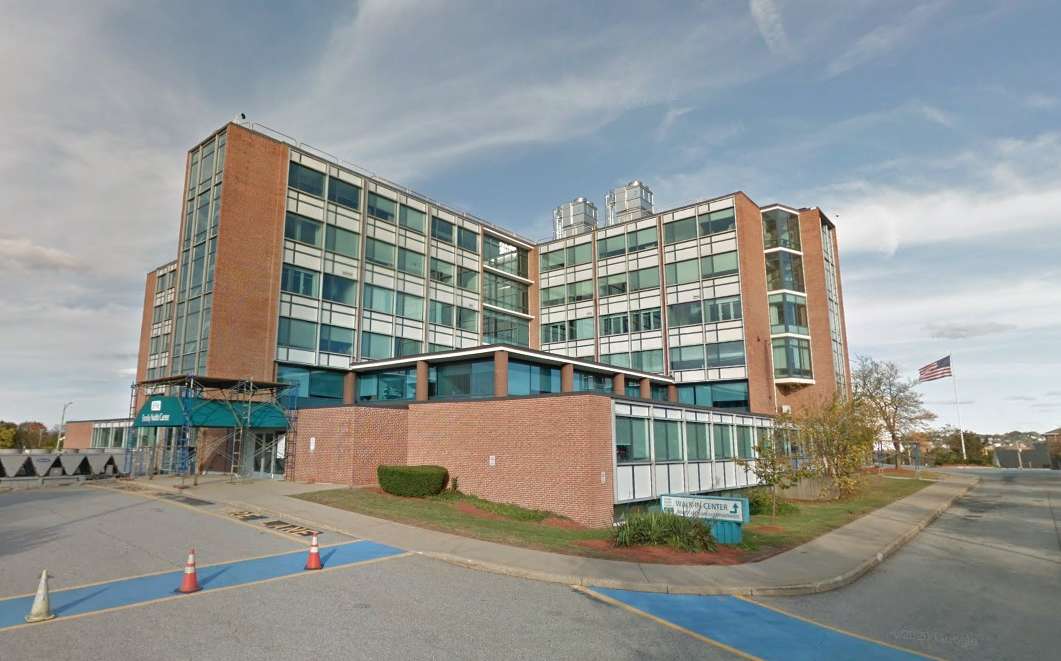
265 456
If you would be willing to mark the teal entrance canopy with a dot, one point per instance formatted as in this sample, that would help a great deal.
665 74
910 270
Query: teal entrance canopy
162 411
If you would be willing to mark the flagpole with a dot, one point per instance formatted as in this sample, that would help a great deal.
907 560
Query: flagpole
958 409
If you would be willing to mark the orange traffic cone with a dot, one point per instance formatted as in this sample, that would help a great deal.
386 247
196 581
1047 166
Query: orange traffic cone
314 559
190 582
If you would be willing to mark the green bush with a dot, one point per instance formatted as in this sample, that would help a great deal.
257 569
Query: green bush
416 481
664 528
759 503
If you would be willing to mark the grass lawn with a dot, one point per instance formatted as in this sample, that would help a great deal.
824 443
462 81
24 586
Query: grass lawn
814 518
466 515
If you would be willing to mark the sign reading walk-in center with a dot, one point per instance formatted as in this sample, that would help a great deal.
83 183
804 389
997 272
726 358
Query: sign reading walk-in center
726 515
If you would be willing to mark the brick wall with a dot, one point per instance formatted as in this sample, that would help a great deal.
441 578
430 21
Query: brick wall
755 306
78 434
351 441
249 246
549 451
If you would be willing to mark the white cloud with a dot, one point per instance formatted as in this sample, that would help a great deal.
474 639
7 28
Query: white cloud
1039 101
768 20
23 254
958 330
885 38
669 118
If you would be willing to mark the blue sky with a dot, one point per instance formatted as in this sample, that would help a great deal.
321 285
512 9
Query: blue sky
928 130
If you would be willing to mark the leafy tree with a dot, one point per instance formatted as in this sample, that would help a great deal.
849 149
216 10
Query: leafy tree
7 434
837 436
774 468
893 401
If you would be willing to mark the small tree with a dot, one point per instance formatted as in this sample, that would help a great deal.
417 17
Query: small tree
774 469
837 435
894 401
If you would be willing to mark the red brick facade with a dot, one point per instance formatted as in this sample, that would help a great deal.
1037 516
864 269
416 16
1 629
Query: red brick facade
551 453
78 434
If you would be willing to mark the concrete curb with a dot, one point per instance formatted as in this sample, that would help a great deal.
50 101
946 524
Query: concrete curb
795 589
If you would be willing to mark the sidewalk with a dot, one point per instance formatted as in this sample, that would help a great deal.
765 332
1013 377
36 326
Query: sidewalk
826 563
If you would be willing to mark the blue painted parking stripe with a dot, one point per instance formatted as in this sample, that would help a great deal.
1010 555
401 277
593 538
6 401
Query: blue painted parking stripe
754 629
129 591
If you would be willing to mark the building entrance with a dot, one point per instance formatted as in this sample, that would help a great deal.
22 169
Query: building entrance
266 455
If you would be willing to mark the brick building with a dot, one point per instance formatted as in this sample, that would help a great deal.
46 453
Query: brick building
387 311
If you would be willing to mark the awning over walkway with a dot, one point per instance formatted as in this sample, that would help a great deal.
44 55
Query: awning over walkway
162 411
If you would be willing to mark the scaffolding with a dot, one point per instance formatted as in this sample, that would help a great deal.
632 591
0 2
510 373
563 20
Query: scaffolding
230 408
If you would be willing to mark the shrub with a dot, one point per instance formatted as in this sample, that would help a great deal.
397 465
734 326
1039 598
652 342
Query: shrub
664 528
759 503
416 481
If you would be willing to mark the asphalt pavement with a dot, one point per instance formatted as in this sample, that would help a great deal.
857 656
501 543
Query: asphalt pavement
982 582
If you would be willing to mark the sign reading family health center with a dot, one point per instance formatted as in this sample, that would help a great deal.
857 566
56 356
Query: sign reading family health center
707 507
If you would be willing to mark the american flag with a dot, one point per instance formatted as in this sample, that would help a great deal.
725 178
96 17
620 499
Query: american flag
937 370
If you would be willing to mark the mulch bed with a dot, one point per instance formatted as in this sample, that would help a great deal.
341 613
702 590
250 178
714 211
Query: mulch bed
665 555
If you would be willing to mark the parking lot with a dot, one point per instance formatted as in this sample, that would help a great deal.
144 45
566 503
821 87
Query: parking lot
393 606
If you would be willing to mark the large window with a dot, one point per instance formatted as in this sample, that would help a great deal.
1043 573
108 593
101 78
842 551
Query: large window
412 219
745 442
648 319
306 180
504 256
461 380
780 229
379 299
580 254
644 279
387 385
716 266
788 314
440 313
647 361
554 332
342 242
725 354
680 230
376 345
467 279
343 193
468 319
379 252
299 281
681 273
405 346
612 285
718 394
631 439
684 314
409 306
442 230
722 309
687 358
337 340
580 329
616 359
529 379
641 239
723 441
505 329
312 387
441 271
552 296
611 246
467 240
552 260
339 289
716 221
667 440
580 291
505 293
614 324
784 270
381 207
302 229
696 438
410 262
297 334
792 358
592 382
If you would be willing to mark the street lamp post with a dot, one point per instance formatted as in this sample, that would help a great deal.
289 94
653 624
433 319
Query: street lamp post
62 427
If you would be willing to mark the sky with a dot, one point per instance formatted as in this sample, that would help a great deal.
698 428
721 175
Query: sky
930 132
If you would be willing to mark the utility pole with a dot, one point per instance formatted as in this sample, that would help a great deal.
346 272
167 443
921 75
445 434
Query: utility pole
62 427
